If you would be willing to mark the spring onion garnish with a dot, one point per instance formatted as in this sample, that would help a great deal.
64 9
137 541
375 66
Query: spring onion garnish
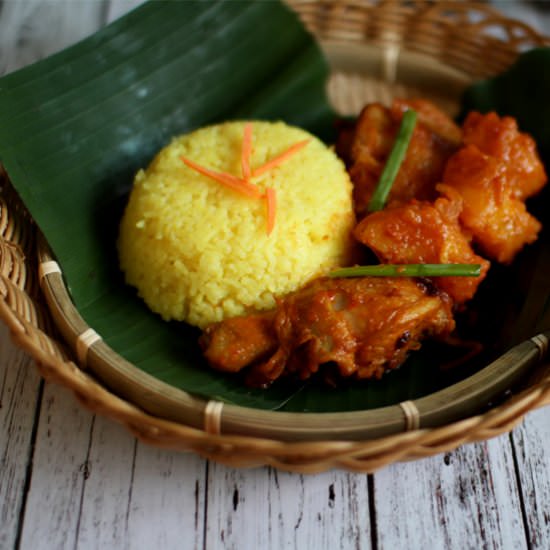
409 270
395 158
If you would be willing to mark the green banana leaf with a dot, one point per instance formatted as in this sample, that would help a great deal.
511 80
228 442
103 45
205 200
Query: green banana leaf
75 127
523 91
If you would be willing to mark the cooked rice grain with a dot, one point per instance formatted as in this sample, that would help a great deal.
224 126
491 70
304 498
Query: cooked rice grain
199 252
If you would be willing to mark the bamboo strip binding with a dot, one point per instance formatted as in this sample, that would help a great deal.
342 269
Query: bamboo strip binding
213 417
412 416
423 26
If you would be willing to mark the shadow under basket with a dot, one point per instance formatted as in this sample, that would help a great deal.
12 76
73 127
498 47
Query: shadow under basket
377 51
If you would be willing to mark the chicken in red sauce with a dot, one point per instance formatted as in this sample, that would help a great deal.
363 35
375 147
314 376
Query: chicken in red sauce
458 197
362 326
423 165
420 232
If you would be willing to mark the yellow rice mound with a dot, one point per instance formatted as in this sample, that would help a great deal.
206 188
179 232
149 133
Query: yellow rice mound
199 252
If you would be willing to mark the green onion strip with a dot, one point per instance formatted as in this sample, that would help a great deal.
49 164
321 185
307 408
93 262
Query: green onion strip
395 158
409 270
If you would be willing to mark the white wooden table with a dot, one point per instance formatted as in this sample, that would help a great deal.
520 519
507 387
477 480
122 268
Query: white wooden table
69 479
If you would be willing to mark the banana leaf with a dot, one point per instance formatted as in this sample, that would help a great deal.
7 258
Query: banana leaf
75 127
523 91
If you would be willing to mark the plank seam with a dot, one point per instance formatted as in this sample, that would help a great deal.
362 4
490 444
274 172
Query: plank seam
205 506
372 512
131 488
520 491
83 490
29 465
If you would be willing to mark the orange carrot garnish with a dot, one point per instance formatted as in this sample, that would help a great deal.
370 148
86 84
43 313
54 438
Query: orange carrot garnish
279 159
246 151
271 207
228 180
243 184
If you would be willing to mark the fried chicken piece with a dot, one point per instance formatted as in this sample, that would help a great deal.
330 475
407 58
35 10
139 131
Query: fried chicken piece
424 233
492 213
500 138
433 118
423 165
239 341
345 134
362 327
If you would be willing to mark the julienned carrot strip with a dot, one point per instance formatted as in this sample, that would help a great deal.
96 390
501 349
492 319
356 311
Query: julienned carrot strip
243 185
281 158
233 182
246 151
271 205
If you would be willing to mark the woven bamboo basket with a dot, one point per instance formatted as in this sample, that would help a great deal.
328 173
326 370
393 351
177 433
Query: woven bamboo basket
377 50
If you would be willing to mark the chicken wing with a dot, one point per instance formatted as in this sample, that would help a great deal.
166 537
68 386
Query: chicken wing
362 327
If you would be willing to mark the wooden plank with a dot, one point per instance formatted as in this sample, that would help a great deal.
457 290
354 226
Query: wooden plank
139 497
60 468
532 449
264 508
108 476
464 499
166 508
94 486
19 396
33 30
